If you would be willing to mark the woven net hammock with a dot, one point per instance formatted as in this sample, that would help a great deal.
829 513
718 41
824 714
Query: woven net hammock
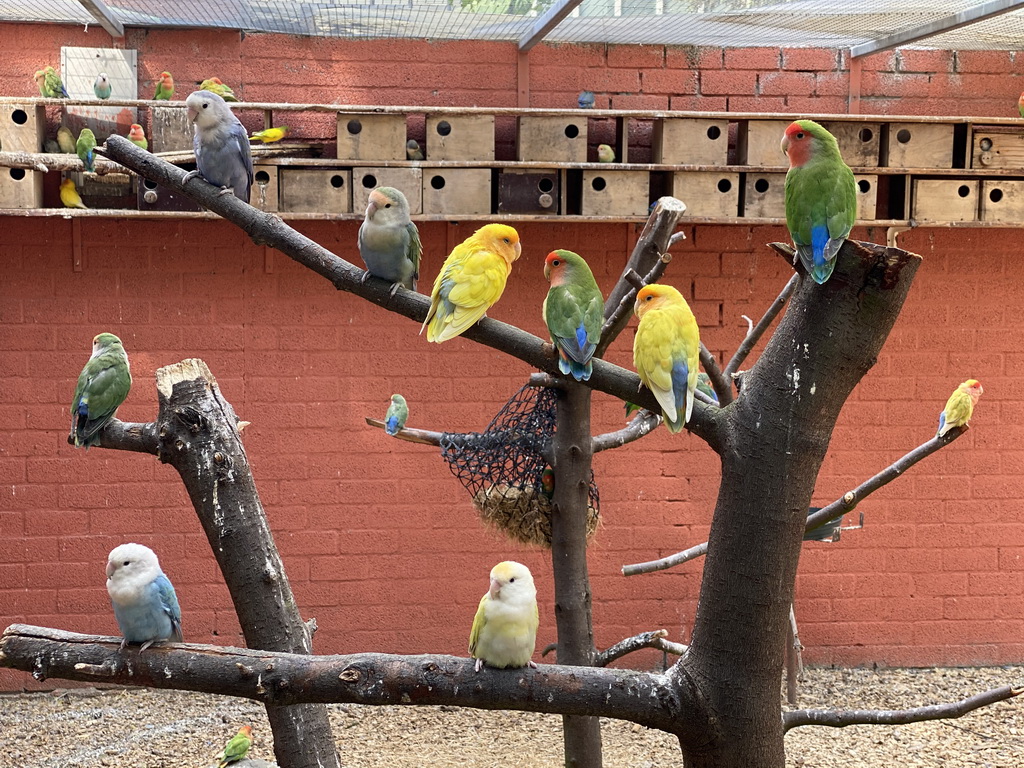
504 469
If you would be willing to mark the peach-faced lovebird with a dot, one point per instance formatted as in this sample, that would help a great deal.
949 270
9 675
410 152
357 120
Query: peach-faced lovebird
412 150
102 386
605 154
398 413
960 406
236 748
388 240
69 195
164 87
471 280
84 147
666 351
270 135
547 482
221 145
145 605
50 84
101 86
66 140
214 85
505 626
137 136
821 197
573 312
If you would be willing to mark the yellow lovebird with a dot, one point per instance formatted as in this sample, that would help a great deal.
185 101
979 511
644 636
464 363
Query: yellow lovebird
666 351
69 195
960 406
504 630
270 135
471 281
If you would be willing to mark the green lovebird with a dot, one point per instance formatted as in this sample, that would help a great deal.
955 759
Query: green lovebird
821 197
103 385
85 146
388 240
397 415
236 748
573 312
50 84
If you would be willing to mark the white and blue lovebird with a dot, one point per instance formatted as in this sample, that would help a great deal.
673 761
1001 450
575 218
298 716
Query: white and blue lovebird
585 100
221 145
145 605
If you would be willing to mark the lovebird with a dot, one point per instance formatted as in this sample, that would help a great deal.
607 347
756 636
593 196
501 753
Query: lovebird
50 84
666 351
214 85
164 87
1020 105
388 240
505 626
69 195
413 151
605 154
145 605
547 482
102 386
960 406
137 136
221 145
585 100
270 135
471 281
101 86
398 413
84 147
236 748
573 312
821 197
66 140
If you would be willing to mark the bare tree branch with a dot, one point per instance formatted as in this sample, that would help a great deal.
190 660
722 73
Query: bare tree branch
128 436
641 425
655 639
423 436
281 679
756 332
949 711
719 383
837 508
546 380
269 229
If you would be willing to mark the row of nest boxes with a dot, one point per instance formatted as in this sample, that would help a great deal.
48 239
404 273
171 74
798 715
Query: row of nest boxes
994 200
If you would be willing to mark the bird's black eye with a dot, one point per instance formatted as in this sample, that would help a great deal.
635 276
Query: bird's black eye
205 106
555 263
512 580
648 298
505 239
126 562
800 135
388 205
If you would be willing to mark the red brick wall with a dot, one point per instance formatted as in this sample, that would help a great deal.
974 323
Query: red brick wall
381 543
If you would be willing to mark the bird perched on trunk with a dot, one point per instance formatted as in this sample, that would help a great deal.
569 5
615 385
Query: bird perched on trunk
398 413
821 197
50 84
137 136
388 240
101 86
666 351
84 147
960 406
573 312
504 630
66 140
236 748
102 386
221 145
164 87
214 85
145 605
471 281
69 195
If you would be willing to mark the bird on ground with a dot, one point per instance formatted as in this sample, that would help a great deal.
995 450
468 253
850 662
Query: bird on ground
504 630
102 386
236 748
143 598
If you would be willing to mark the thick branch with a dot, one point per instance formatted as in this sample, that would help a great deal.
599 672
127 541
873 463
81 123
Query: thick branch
754 334
129 436
280 679
655 639
948 711
269 229
641 424
46 161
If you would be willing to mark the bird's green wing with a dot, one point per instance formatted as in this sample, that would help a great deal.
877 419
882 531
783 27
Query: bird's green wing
478 623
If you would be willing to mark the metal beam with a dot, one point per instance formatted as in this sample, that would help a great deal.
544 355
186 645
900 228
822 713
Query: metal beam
551 18
947 24
105 17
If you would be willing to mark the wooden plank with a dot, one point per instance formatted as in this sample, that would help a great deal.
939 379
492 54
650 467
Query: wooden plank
371 137
1002 201
997 146
707 193
553 139
915 145
945 200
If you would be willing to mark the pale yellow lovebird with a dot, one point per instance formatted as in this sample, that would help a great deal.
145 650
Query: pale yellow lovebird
504 630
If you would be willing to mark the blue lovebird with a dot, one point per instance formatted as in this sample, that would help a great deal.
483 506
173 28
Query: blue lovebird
398 413
145 605
585 100
221 145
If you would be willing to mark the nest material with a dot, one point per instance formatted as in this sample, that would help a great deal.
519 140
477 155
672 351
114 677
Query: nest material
523 514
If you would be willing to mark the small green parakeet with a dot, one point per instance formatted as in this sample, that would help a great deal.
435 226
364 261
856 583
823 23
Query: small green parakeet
605 154
236 748
821 197
103 385
66 140
573 312
388 240
504 630
50 84
84 147
164 87
398 413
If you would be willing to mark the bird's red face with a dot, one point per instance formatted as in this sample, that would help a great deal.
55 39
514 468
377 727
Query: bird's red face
136 132
974 388
376 201
553 265
246 729
796 143
165 78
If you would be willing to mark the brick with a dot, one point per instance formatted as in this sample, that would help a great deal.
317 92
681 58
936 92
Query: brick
636 56
924 60
728 82
752 58
669 81
808 59
993 62
784 83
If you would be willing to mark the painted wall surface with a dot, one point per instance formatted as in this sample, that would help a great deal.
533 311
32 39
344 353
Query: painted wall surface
381 543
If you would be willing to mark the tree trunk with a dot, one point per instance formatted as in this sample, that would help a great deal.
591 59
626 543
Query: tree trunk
198 436
776 436
573 455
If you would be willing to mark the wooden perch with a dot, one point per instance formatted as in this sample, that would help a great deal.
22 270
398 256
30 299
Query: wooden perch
641 425
46 161
655 639
423 436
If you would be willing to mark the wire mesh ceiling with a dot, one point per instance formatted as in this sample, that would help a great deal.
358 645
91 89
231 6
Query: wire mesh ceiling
734 23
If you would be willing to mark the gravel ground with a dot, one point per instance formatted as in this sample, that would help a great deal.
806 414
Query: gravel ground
168 729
